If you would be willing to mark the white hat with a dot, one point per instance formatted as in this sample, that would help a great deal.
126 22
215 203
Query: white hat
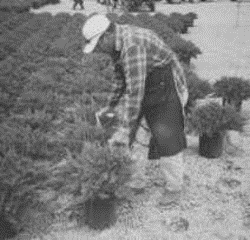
93 29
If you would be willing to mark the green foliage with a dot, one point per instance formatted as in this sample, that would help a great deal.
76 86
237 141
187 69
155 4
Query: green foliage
185 50
5 16
95 171
197 88
12 40
192 15
20 178
211 117
39 46
233 88
187 19
20 6
70 43
175 23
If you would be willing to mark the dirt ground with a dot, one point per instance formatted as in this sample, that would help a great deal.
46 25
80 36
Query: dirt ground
217 202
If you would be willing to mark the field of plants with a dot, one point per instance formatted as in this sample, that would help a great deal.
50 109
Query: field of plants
19 6
49 93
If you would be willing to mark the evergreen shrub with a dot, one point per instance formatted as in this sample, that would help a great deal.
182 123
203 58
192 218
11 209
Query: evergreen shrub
233 90
197 88
212 118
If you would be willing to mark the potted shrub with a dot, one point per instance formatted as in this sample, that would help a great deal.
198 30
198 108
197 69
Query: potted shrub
96 178
211 121
233 90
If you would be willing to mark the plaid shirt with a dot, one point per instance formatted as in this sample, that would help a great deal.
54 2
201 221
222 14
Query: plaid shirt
141 51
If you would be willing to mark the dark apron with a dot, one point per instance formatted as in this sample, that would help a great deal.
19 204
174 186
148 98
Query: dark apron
162 110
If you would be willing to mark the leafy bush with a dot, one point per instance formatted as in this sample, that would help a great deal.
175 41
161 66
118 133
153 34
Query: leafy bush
39 46
175 24
5 16
95 171
12 41
24 5
20 180
188 20
211 118
197 89
192 15
233 90
70 43
15 21
185 50
38 126
18 6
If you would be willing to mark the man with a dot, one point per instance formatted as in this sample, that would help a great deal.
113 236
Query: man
150 84
76 2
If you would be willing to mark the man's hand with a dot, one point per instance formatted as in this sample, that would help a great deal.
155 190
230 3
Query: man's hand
107 112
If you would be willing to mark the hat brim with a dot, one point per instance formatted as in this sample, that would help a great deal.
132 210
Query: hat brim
93 42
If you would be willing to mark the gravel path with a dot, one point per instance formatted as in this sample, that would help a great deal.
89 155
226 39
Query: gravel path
217 204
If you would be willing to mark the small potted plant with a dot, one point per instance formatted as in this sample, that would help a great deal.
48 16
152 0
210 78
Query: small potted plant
211 121
96 178
233 90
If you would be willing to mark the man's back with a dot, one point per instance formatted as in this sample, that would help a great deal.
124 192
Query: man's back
157 51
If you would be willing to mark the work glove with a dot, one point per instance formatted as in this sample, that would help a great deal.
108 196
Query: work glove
105 117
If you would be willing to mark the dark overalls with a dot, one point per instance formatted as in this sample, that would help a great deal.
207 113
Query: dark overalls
162 110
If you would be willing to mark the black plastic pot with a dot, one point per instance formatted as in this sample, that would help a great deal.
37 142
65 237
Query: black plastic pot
211 146
100 213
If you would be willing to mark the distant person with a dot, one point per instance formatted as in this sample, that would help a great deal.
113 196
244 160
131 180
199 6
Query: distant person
76 2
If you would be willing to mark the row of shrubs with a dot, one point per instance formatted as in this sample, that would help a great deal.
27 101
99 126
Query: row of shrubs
12 40
19 6
167 27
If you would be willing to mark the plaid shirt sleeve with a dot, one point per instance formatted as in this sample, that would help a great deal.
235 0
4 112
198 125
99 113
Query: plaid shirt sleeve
135 70
118 87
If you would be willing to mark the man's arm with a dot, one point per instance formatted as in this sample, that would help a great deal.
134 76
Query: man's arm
135 70
118 87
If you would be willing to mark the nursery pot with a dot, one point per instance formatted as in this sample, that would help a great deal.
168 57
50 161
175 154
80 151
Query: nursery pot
211 146
100 213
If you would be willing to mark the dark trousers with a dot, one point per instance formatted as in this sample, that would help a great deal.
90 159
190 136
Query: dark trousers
76 2
163 113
